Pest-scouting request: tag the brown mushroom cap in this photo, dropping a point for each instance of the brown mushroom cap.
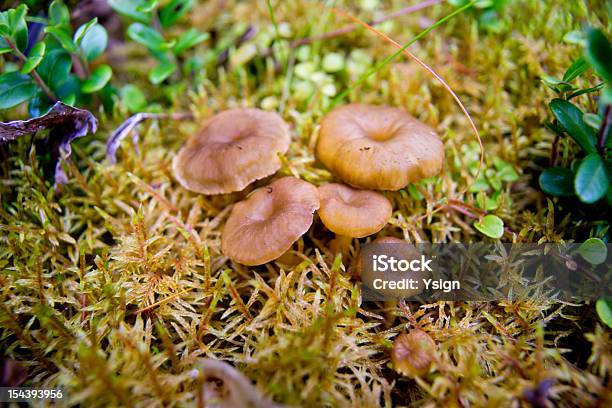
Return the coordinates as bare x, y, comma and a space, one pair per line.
399, 249
378, 147
266, 224
351, 212
413, 353
232, 149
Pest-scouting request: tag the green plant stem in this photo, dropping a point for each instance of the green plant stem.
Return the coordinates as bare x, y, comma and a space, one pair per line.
381, 65
39, 81
271, 11
284, 56
554, 153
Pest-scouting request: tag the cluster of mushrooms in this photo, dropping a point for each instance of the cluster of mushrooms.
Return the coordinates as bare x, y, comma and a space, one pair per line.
367, 147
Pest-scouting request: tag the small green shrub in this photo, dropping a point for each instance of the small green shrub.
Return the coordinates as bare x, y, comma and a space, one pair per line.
150, 21
588, 177
58, 66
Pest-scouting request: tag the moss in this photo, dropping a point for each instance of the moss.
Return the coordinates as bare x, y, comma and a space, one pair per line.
115, 286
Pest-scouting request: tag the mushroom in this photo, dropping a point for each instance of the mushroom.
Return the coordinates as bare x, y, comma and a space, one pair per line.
398, 249
378, 147
231, 150
413, 353
265, 225
352, 213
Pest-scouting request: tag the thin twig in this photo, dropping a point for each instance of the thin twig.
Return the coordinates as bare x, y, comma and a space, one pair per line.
554, 153
467, 206
39, 81
131, 123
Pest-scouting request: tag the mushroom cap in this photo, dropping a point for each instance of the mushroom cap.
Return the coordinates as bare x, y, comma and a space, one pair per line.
231, 150
351, 212
266, 224
392, 247
378, 147
412, 353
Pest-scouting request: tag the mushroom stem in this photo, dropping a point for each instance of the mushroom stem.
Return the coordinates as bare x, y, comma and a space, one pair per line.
341, 244
289, 259
390, 306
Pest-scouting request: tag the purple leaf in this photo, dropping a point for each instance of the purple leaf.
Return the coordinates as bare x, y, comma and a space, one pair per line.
65, 123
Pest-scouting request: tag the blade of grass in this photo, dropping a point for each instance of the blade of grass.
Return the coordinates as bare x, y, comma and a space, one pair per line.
273, 18
403, 49
283, 55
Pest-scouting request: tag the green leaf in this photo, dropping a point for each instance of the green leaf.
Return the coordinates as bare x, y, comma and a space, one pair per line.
108, 95
58, 14
586, 91
146, 36
15, 88
557, 181
55, 67
480, 184
69, 90
599, 53
188, 39
575, 37
36, 55
4, 48
82, 30
39, 104
492, 203
16, 16
94, 42
606, 96
414, 192
507, 174
493, 179
604, 310
148, 6
556, 85
98, 79
15, 27
579, 67
133, 98
170, 13
593, 120
591, 182
62, 35
570, 117
132, 9
491, 225
594, 251
481, 4
161, 72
